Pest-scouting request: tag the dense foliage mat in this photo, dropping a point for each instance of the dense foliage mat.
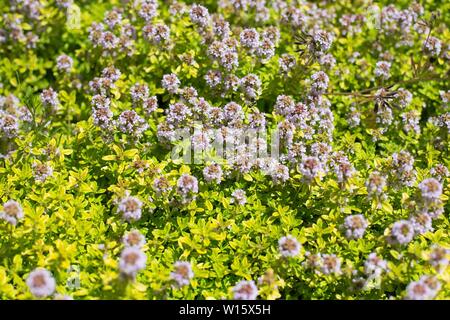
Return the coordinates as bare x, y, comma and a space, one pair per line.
335, 186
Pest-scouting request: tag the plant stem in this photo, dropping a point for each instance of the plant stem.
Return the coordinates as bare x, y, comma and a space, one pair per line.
362, 93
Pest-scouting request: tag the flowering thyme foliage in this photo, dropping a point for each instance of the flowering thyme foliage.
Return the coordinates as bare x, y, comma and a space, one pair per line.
319, 82
278, 149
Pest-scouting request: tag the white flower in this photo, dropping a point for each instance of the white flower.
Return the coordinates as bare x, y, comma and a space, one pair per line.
310, 168
170, 82
439, 257
177, 113
213, 78
330, 264
382, 69
200, 141
404, 97
100, 101
150, 105
213, 172
130, 208
161, 185
374, 265
280, 173
320, 82
133, 239
239, 197
108, 40
375, 183
12, 212
431, 189
112, 18
344, 169
186, 184
64, 63
156, 32
41, 171
312, 261
323, 41
403, 161
148, 10
422, 222
132, 260
286, 62
355, 226
9, 125
232, 112
139, 92
250, 38
402, 232
102, 117
245, 290
130, 122
432, 46
284, 105
251, 86
425, 288
289, 246
111, 73
41, 283
199, 15
183, 273
49, 97
440, 172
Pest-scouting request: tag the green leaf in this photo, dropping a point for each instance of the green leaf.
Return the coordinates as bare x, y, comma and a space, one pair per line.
110, 157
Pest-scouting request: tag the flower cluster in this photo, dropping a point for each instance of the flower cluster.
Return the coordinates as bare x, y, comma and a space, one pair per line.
134, 239
64, 63
182, 273
12, 212
42, 171
131, 123
427, 287
41, 283
130, 208
245, 290
355, 226
49, 97
289, 246
132, 260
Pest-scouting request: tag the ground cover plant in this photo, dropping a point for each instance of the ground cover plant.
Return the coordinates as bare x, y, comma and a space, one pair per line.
333, 182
